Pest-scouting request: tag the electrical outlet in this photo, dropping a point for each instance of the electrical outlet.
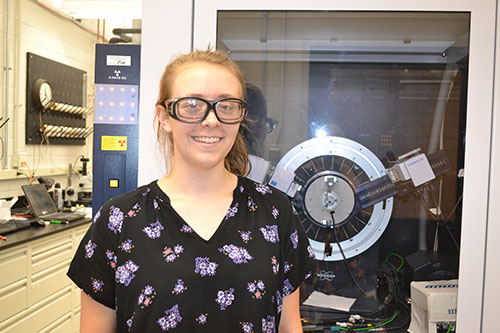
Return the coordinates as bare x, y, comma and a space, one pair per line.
18, 158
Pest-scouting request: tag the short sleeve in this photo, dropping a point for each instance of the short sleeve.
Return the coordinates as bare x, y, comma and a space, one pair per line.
299, 257
93, 266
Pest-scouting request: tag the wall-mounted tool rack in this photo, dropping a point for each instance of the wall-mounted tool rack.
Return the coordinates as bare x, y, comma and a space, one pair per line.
55, 112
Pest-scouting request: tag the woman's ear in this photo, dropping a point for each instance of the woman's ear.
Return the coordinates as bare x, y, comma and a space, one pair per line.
163, 118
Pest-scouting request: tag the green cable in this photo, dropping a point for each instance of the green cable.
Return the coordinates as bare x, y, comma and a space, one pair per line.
449, 328
396, 255
372, 327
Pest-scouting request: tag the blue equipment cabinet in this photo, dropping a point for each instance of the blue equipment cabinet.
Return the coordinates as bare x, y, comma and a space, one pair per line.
116, 127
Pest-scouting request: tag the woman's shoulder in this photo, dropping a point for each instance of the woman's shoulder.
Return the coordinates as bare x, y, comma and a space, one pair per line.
263, 192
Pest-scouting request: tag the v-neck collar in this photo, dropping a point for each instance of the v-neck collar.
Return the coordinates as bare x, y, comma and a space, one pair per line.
238, 194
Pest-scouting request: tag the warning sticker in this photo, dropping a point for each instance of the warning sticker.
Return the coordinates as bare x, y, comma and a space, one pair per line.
113, 142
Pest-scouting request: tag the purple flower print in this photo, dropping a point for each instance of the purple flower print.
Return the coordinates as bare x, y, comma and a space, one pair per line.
279, 301
287, 267
275, 212
245, 236
97, 284
179, 287
232, 211
204, 266
238, 255
135, 209
155, 204
251, 205
146, 297
263, 189
171, 319
246, 327
268, 325
202, 319
311, 252
294, 237
154, 229
126, 246
115, 219
125, 273
287, 288
275, 265
294, 211
256, 288
241, 188
130, 321
147, 191
112, 258
270, 233
225, 298
89, 249
186, 229
172, 254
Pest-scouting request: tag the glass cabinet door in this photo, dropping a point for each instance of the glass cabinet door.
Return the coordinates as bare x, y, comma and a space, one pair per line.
346, 99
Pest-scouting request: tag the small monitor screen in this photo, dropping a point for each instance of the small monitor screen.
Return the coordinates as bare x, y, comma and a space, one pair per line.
39, 199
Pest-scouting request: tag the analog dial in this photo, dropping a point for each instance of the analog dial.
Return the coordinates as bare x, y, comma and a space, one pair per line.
42, 93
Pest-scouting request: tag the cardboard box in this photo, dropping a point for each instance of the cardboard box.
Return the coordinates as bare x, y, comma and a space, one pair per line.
432, 303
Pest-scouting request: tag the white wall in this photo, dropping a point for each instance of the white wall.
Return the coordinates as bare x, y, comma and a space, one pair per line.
166, 31
35, 29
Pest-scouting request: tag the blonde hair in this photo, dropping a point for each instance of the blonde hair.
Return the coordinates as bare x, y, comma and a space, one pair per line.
236, 160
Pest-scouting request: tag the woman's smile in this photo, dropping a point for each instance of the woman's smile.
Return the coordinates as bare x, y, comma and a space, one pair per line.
207, 139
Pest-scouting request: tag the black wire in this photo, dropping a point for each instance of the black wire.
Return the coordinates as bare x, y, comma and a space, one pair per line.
345, 259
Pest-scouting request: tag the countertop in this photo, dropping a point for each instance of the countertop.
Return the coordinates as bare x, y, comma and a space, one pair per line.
37, 231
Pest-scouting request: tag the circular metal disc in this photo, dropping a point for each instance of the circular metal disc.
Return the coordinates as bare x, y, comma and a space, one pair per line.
316, 204
322, 200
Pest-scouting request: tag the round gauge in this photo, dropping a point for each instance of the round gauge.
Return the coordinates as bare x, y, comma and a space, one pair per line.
329, 170
42, 93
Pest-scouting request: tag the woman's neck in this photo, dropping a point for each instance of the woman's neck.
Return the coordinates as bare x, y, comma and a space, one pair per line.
202, 183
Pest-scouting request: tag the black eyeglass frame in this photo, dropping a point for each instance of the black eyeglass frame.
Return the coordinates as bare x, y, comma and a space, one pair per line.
172, 103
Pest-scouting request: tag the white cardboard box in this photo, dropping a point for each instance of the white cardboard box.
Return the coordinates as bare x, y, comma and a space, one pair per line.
432, 302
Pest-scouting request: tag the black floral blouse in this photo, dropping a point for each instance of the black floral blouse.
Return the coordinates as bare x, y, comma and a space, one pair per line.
140, 258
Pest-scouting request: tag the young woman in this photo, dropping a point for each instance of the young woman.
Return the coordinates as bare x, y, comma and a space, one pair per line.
202, 249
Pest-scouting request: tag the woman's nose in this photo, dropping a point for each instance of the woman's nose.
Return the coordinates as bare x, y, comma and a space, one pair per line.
211, 119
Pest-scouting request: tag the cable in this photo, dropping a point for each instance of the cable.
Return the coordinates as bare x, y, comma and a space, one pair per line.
396, 255
396, 313
29, 171
74, 164
345, 259
449, 328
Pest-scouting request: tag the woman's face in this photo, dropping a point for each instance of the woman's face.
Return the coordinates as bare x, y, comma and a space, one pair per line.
206, 144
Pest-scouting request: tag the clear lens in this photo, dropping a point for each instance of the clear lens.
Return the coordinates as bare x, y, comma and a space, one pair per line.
229, 109
191, 108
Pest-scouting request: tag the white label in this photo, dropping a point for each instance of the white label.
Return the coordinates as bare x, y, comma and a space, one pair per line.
118, 60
